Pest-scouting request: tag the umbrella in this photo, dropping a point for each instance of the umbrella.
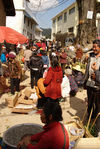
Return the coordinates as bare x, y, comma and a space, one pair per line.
11, 36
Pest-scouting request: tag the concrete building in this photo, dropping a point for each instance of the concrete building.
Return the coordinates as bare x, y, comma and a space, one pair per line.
23, 22
38, 33
6, 9
66, 21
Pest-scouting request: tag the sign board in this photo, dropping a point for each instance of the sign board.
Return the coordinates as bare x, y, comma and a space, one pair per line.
89, 14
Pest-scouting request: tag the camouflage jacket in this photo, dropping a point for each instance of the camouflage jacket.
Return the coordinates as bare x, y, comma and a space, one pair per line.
14, 69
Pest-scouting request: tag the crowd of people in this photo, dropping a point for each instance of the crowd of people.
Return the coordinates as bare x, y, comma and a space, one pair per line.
59, 71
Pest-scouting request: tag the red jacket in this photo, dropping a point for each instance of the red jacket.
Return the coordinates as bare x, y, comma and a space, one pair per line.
63, 57
51, 138
53, 82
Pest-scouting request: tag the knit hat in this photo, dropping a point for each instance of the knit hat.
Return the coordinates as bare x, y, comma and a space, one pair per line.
12, 55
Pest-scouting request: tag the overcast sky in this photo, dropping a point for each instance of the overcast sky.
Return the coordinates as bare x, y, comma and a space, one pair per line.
45, 10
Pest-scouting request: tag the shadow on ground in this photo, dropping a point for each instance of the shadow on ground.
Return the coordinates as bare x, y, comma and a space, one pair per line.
24, 78
3, 105
79, 105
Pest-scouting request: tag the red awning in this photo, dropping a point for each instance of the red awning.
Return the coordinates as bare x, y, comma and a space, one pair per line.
11, 36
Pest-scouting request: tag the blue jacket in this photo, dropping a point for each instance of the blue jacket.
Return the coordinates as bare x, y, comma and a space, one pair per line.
45, 59
3, 58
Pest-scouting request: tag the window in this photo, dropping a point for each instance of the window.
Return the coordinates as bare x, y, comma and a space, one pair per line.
31, 25
28, 22
24, 31
72, 10
24, 19
28, 33
30, 36
65, 16
71, 29
60, 18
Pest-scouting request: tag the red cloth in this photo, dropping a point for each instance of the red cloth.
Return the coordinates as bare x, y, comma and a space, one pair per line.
53, 82
51, 138
63, 57
43, 45
39, 44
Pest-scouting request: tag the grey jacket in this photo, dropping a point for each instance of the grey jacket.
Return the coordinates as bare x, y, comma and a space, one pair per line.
97, 74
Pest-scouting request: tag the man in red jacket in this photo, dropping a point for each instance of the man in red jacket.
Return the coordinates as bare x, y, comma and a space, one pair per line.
54, 135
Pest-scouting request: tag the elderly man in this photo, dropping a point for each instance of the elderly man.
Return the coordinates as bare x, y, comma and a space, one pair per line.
92, 80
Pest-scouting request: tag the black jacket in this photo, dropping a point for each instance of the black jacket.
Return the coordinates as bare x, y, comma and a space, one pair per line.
36, 63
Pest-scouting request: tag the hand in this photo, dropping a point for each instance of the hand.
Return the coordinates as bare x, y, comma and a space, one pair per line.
20, 144
94, 66
18, 77
27, 140
93, 76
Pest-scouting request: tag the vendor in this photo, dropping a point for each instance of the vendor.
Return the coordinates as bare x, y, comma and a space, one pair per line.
54, 135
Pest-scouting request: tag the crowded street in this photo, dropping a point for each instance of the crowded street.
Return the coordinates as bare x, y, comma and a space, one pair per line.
49, 74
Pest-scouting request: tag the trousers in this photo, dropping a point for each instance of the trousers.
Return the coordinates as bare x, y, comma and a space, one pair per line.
15, 82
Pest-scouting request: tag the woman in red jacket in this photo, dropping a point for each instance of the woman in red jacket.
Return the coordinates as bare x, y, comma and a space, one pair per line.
53, 79
54, 136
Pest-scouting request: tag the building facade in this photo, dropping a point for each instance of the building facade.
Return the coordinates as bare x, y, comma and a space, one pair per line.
23, 22
6, 9
66, 21
38, 33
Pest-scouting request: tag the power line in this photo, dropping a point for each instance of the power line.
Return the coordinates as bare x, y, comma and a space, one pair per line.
52, 7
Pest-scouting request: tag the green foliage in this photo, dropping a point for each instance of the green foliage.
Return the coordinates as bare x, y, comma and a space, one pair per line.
92, 132
46, 32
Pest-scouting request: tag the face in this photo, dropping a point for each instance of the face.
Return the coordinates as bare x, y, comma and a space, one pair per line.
62, 50
96, 49
10, 59
43, 117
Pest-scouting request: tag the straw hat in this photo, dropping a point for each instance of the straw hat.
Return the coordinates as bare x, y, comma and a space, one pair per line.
77, 67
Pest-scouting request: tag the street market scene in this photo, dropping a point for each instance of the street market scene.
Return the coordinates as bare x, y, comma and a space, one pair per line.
49, 74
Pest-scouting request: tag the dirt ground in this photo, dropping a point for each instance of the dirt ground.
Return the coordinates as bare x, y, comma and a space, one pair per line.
8, 119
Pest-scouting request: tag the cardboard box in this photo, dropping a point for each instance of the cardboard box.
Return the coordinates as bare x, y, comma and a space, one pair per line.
12, 100
28, 92
23, 101
21, 111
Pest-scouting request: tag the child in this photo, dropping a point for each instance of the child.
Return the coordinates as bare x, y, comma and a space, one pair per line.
65, 90
73, 84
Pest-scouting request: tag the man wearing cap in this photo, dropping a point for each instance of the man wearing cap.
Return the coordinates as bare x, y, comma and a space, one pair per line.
14, 72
